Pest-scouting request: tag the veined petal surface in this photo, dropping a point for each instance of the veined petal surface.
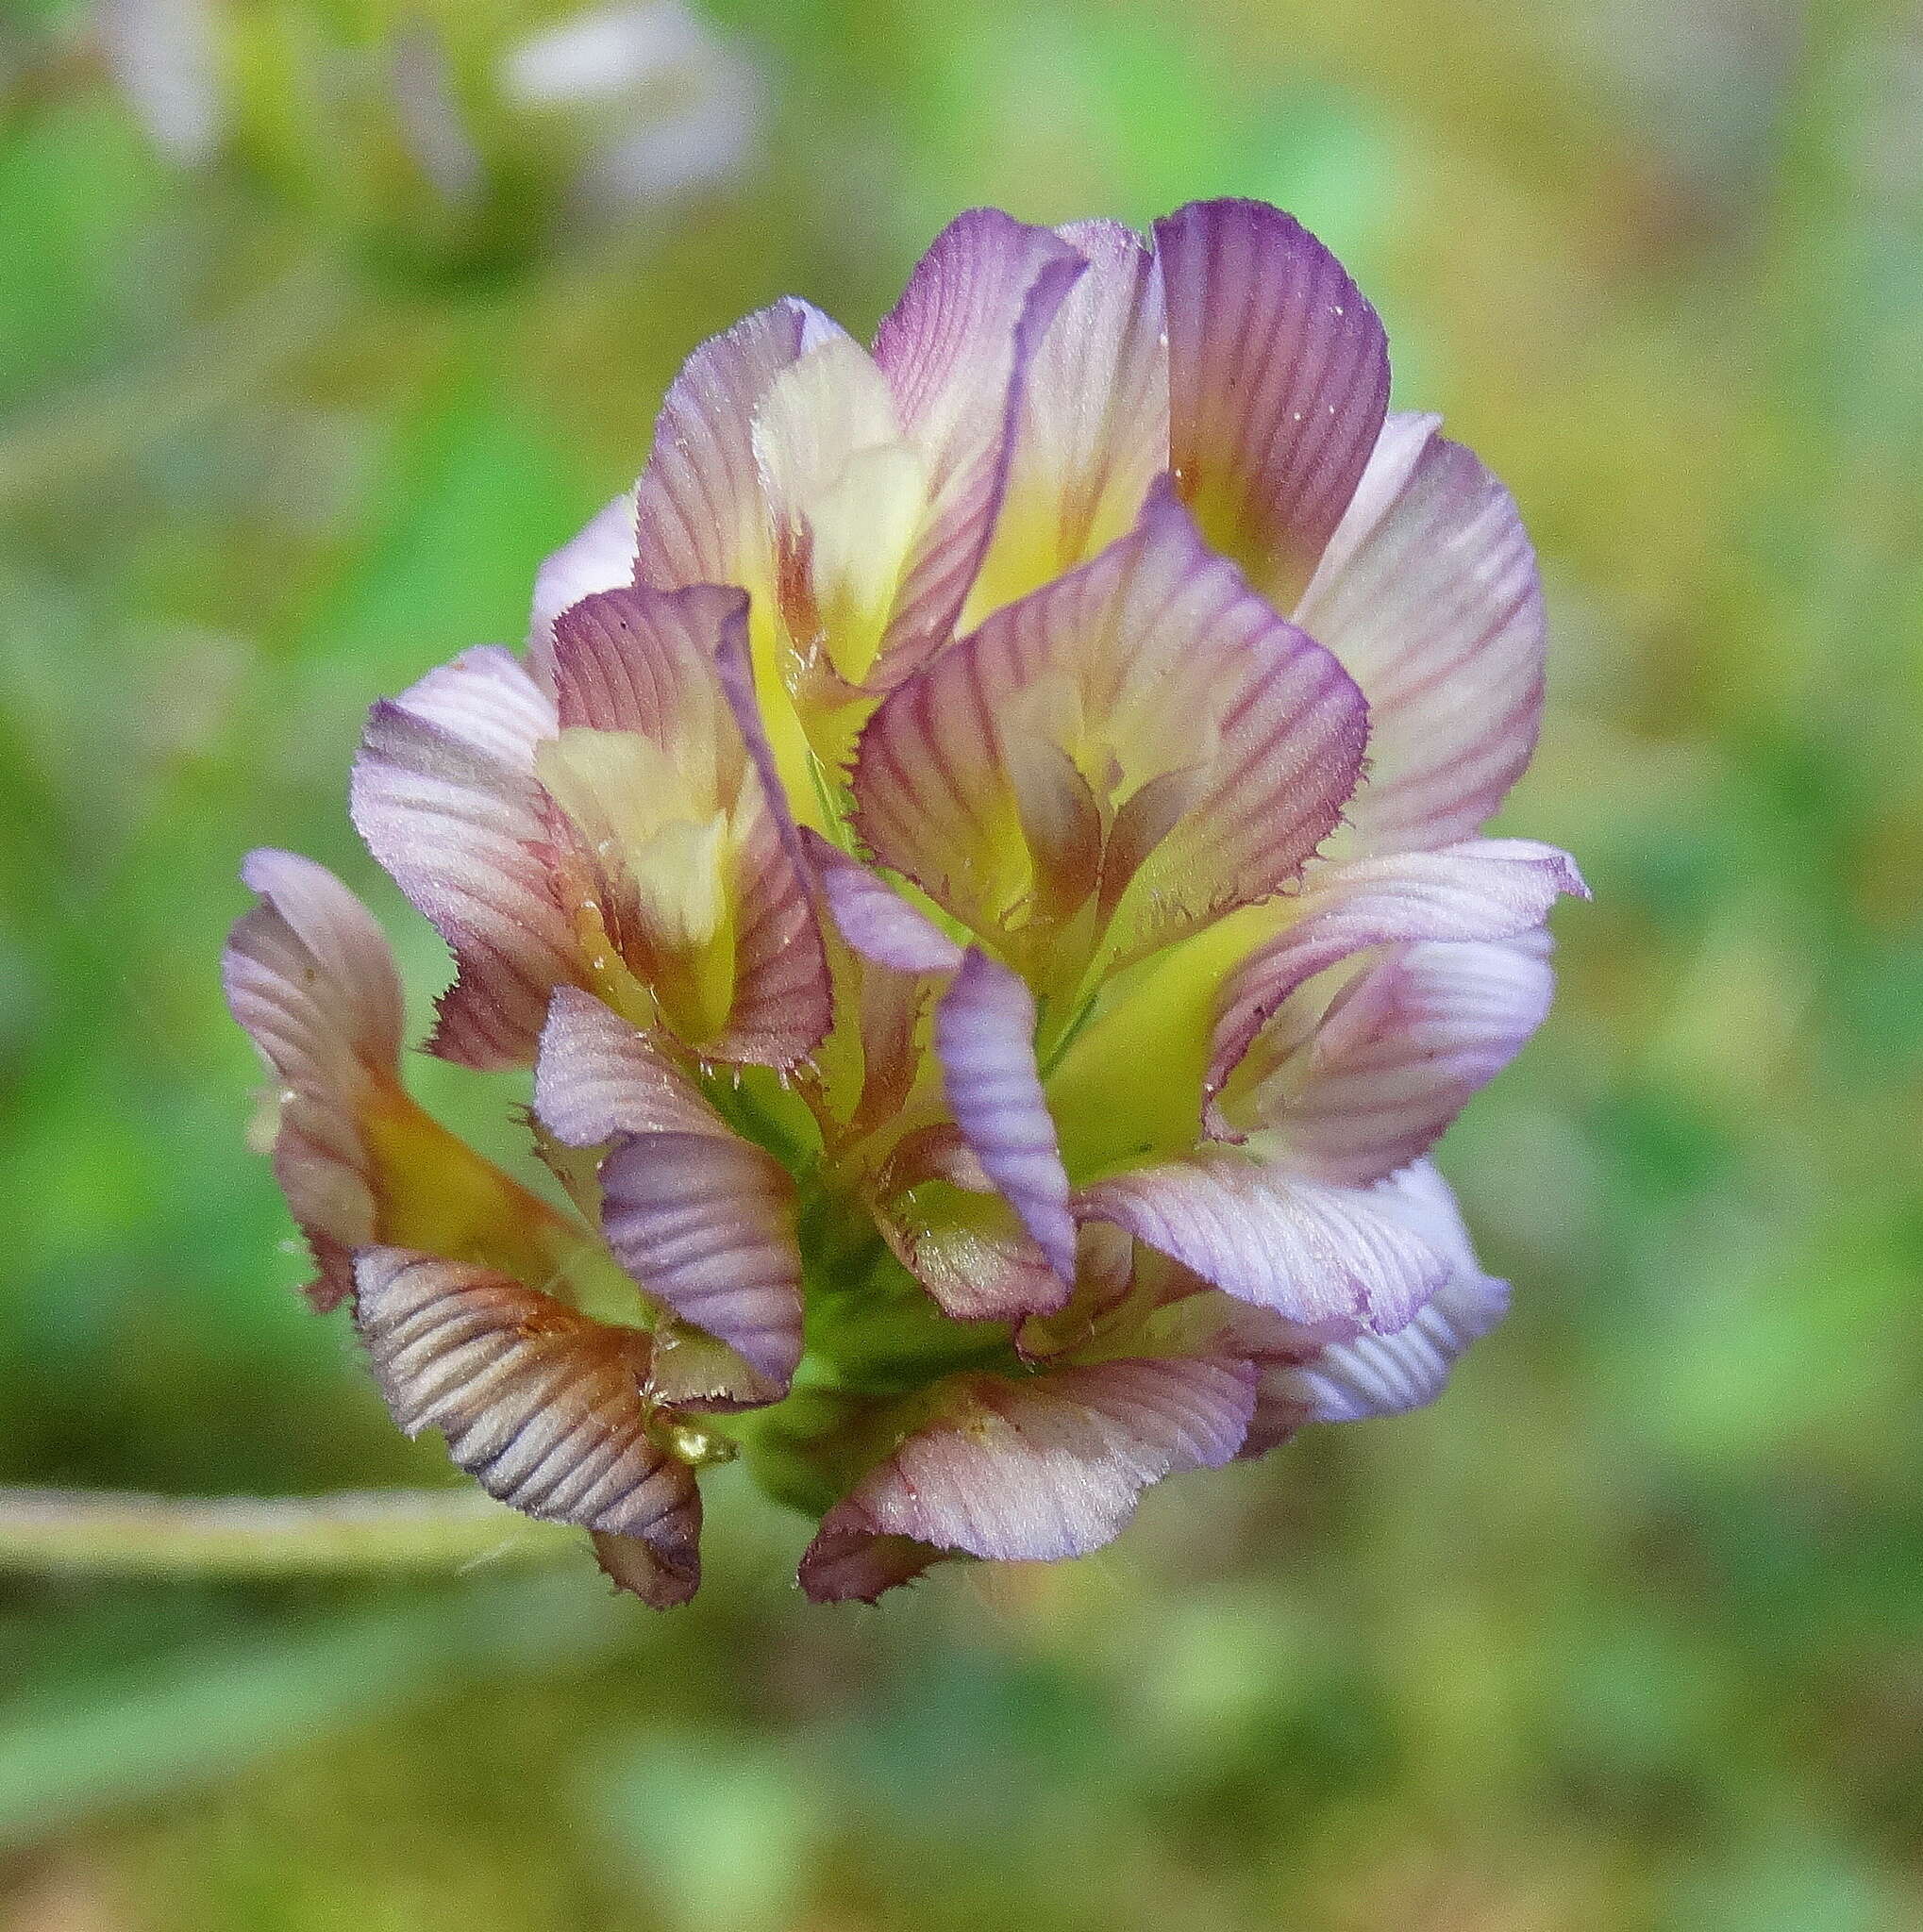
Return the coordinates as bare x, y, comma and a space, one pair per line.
956, 349
1279, 382
703, 1220
694, 883
1029, 1471
1429, 595
541, 1405
1326, 1257
1142, 745
445, 796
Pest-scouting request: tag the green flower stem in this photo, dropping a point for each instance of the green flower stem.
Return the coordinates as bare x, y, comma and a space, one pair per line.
387, 1532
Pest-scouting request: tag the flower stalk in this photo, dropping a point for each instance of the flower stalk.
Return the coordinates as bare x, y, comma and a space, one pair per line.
352, 1533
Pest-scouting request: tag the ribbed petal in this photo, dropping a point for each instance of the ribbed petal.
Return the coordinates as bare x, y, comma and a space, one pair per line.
698, 505
703, 885
1326, 1257
602, 558
1429, 594
445, 796
1145, 732
1093, 432
877, 920
1388, 1374
703, 1220
1029, 1472
891, 961
598, 1077
1279, 382
985, 1040
1403, 1048
1478, 890
309, 975
955, 350
541, 1405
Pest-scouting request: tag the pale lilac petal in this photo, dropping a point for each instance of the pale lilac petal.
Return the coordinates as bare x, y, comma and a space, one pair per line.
703, 1220
602, 558
1279, 382
597, 1077
308, 974
541, 1404
1429, 595
1478, 890
1389, 1374
655, 675
1326, 1257
706, 1222
955, 350
698, 507
985, 1040
445, 796
875, 919
1031, 1471
1226, 741
1404, 1047
1093, 430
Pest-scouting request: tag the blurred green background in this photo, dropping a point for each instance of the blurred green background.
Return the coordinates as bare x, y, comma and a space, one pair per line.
322, 320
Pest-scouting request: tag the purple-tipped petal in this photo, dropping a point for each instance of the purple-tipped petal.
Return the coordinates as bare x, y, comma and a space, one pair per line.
602, 558
309, 976
1402, 1049
955, 350
445, 796
702, 1220
1429, 594
1029, 1471
701, 885
1222, 739
541, 1405
1478, 890
1278, 383
985, 1040
1326, 1257
698, 507
1093, 430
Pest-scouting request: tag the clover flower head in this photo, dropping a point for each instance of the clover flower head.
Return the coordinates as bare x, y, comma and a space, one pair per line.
981, 857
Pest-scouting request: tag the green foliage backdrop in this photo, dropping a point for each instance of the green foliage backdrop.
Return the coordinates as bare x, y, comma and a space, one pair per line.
1625, 1633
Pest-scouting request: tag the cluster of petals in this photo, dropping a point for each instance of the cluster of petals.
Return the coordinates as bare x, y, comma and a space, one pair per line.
982, 858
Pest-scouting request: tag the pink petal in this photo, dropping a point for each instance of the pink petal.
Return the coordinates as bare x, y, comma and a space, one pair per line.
1029, 1471
597, 1077
541, 1405
1429, 594
1093, 432
445, 796
698, 505
1222, 739
308, 974
1389, 1374
1326, 1257
1405, 1046
955, 350
1478, 890
702, 1220
655, 664
602, 558
1279, 382
985, 1040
